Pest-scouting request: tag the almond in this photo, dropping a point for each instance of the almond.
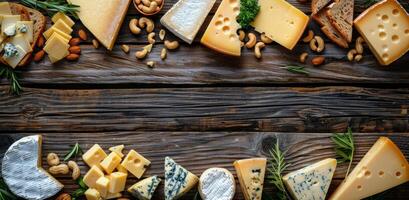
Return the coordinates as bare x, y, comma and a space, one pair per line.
319, 60
82, 34
75, 42
72, 57
39, 56
95, 43
75, 49
40, 42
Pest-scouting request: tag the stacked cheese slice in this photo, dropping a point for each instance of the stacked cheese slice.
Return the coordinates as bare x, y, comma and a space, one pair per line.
58, 37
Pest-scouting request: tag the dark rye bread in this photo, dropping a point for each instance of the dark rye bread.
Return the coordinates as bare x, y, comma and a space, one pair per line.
341, 16
317, 5
327, 28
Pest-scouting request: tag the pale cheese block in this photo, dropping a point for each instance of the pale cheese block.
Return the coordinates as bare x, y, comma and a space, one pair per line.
281, 22
29, 34
94, 155
8, 21
47, 34
103, 18
186, 17
311, 182
178, 180
5, 8
385, 28
383, 167
144, 189
250, 173
61, 16
15, 60
20, 40
217, 184
21, 170
221, 34
56, 48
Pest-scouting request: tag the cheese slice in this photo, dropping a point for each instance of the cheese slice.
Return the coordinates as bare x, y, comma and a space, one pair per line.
47, 34
217, 184
186, 17
383, 167
61, 16
250, 173
21, 170
57, 49
5, 8
20, 40
9, 21
221, 34
103, 19
135, 163
281, 22
15, 60
311, 182
62, 26
178, 180
29, 34
144, 189
385, 28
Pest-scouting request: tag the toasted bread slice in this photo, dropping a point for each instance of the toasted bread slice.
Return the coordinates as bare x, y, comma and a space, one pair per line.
327, 28
341, 16
318, 5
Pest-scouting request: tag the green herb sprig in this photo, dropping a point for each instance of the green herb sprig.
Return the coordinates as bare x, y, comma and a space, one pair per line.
345, 147
248, 11
278, 165
74, 152
5, 193
297, 70
80, 191
12, 76
53, 6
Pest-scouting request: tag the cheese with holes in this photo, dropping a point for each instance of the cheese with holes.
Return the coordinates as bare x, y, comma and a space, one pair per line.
217, 184
51, 31
92, 194
118, 150
13, 61
281, 22
94, 155
221, 34
61, 16
91, 177
383, 167
26, 28
250, 173
186, 17
111, 162
8, 24
135, 163
117, 182
57, 49
104, 20
385, 28
5, 8
144, 189
178, 180
311, 182
21, 170
102, 186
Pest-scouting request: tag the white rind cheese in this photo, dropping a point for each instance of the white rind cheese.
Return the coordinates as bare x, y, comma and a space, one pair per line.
186, 17
217, 184
178, 180
143, 190
311, 182
22, 173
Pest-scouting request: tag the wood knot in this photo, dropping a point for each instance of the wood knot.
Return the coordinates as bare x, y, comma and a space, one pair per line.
30, 111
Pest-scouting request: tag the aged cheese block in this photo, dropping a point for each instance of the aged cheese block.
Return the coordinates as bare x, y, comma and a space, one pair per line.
178, 180
22, 172
144, 189
311, 182
251, 174
94, 155
217, 184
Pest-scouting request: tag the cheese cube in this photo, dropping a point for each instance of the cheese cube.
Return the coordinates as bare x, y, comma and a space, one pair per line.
15, 60
135, 163
118, 149
5, 8
9, 21
48, 34
57, 48
113, 195
61, 16
110, 162
29, 32
60, 24
117, 182
92, 194
91, 177
102, 186
94, 155
122, 169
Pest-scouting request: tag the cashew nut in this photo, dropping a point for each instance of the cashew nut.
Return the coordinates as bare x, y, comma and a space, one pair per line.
257, 49
141, 54
125, 48
59, 169
162, 34
252, 40
358, 45
151, 9
265, 39
148, 23
151, 38
163, 54
76, 172
303, 57
358, 58
317, 44
351, 54
242, 35
133, 26
309, 37
171, 45
53, 159
151, 64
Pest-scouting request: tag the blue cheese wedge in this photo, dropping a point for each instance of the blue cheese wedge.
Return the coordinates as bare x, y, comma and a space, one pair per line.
311, 182
250, 173
22, 172
217, 184
143, 190
178, 180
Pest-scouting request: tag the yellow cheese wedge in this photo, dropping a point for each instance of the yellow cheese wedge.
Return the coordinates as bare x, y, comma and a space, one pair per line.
102, 186
383, 167
117, 182
15, 60
29, 34
118, 150
61, 16
281, 22
251, 174
135, 163
47, 34
221, 34
91, 177
110, 163
103, 19
5, 8
94, 155
92, 194
385, 28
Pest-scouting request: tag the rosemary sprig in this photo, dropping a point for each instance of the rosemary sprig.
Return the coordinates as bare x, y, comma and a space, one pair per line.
278, 165
74, 152
53, 6
80, 191
297, 69
345, 147
5, 193
11, 75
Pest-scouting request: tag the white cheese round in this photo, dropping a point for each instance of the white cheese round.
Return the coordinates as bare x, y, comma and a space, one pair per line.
217, 184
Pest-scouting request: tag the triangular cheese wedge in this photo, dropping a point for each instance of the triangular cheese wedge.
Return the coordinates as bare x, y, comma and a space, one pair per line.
178, 180
103, 18
145, 188
311, 182
251, 174
118, 150
382, 168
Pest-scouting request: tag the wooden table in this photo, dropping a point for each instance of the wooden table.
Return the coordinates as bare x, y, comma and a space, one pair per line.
205, 109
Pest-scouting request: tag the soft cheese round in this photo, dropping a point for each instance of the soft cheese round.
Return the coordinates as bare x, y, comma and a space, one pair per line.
22, 174
217, 184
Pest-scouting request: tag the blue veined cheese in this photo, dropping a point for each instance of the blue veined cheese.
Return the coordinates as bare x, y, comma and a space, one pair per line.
178, 180
311, 182
250, 173
217, 184
23, 174
143, 190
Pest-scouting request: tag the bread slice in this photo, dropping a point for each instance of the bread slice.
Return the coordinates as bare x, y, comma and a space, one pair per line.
39, 21
317, 5
327, 28
341, 16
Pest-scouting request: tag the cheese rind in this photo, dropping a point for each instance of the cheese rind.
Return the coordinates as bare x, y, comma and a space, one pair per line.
383, 167
178, 180
250, 173
281, 22
94, 155
217, 184
144, 189
311, 182
385, 28
135, 163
